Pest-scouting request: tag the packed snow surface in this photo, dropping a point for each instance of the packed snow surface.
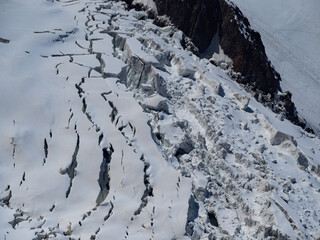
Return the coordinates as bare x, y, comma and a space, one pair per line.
111, 130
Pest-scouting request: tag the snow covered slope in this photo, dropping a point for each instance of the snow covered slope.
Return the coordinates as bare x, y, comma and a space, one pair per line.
111, 130
290, 31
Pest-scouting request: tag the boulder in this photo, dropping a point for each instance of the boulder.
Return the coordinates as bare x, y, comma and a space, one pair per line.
3, 40
302, 161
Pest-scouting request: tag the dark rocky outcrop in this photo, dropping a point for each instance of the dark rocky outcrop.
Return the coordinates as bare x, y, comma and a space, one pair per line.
244, 46
197, 19
3, 40
202, 20
140, 7
284, 104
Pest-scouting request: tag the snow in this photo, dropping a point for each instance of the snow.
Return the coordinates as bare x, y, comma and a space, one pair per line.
155, 102
134, 48
290, 32
86, 151
112, 65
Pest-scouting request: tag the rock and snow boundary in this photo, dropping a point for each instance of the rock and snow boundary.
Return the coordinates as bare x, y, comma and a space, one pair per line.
227, 38
126, 135
290, 33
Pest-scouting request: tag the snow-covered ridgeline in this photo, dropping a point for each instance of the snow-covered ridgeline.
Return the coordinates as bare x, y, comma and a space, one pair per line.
103, 172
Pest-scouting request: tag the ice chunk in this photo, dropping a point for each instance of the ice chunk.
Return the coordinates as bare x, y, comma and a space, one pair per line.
244, 100
156, 103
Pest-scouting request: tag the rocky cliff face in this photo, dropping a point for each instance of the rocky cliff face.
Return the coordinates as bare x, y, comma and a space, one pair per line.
244, 46
202, 20
197, 19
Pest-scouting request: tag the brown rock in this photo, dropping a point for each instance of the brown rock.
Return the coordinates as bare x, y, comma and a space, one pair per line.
201, 20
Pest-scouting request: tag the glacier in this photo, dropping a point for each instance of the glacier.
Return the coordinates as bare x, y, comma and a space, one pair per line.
110, 129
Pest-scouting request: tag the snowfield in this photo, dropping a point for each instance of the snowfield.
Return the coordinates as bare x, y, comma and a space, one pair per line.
111, 130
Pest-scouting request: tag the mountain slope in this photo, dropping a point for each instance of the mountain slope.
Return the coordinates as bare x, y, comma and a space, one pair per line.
290, 33
228, 40
112, 130
217, 24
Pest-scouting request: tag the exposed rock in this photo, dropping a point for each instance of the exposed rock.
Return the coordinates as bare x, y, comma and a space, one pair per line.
149, 4
195, 236
302, 161
283, 106
291, 112
244, 46
205, 20
197, 19
270, 233
3, 40
244, 125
